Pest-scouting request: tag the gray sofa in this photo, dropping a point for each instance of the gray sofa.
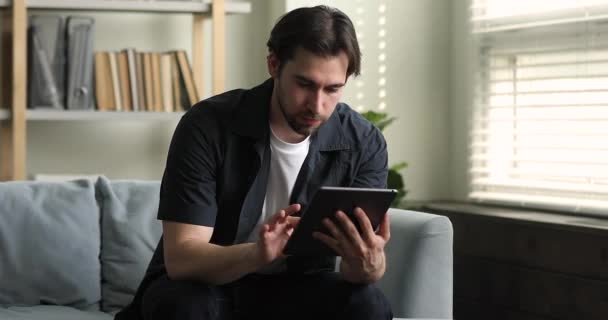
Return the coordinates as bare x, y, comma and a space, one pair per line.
78, 249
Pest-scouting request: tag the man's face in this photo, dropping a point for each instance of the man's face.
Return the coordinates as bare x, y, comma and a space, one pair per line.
306, 90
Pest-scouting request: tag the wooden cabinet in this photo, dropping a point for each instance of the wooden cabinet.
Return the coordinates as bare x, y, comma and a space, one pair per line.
516, 264
14, 115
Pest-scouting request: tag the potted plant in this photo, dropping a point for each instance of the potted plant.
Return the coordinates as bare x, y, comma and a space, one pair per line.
394, 179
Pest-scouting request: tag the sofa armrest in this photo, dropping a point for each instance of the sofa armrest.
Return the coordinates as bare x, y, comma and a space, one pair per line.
418, 279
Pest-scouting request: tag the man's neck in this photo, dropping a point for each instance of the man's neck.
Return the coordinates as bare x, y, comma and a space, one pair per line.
279, 124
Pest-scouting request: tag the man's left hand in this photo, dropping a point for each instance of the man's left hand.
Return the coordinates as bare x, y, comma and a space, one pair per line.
363, 258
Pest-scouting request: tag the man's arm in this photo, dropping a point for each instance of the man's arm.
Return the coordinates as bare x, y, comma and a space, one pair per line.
189, 255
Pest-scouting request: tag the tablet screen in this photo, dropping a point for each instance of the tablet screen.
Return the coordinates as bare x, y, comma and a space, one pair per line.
325, 203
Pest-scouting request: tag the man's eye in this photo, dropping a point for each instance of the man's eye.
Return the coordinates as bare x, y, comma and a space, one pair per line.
304, 84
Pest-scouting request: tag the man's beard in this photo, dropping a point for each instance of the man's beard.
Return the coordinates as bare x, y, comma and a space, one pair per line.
291, 119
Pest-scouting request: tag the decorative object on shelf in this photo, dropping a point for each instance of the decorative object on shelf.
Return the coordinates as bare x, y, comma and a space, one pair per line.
79, 94
47, 60
61, 59
394, 179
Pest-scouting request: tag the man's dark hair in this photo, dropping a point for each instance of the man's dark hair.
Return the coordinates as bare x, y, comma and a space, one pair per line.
321, 30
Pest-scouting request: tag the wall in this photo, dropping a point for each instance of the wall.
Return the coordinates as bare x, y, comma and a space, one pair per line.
417, 84
417, 92
460, 97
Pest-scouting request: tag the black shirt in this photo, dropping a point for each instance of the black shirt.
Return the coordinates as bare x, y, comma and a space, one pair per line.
218, 163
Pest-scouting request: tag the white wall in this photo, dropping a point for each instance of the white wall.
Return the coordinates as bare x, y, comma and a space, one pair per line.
461, 97
417, 92
417, 84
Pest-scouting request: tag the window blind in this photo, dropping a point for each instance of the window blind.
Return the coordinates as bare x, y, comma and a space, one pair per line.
540, 123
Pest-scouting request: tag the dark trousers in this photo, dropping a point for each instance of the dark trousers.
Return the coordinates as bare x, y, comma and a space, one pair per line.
286, 296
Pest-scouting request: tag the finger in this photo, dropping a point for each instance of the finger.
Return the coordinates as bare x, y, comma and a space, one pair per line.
333, 230
341, 239
293, 209
263, 231
349, 229
367, 231
293, 221
287, 225
384, 230
277, 217
283, 213
328, 241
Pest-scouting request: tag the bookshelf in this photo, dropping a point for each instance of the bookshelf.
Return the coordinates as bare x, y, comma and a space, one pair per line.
137, 6
53, 115
13, 121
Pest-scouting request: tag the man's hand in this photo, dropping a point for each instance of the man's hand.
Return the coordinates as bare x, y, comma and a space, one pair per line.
274, 234
363, 258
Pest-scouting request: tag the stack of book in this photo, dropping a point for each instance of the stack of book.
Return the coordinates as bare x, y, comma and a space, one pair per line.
129, 80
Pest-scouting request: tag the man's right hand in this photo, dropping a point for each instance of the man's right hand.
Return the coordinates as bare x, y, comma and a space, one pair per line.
275, 233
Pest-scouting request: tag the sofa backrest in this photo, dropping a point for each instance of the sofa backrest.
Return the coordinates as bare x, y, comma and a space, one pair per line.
418, 280
129, 235
49, 244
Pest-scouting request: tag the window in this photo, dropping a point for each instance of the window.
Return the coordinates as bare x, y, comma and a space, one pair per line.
540, 123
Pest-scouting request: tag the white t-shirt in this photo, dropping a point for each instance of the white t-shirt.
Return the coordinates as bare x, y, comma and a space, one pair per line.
285, 162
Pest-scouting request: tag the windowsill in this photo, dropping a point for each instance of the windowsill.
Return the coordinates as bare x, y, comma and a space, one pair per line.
523, 216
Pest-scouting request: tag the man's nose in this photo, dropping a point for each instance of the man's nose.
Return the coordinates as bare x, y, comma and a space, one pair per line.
315, 103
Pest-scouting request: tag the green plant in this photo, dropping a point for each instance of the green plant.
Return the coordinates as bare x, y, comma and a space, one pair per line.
394, 179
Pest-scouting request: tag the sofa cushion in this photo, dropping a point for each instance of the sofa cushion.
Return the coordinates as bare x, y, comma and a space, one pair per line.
51, 313
130, 233
49, 244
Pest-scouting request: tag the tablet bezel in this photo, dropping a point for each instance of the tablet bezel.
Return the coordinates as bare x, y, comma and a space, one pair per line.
325, 203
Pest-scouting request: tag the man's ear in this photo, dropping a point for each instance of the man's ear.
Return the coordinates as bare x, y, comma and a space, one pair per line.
273, 64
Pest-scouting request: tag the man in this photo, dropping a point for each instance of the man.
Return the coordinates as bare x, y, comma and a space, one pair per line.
242, 164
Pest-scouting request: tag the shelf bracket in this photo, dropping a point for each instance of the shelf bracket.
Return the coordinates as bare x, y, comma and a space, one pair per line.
19, 91
218, 15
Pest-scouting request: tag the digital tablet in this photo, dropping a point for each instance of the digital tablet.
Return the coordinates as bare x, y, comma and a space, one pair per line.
325, 203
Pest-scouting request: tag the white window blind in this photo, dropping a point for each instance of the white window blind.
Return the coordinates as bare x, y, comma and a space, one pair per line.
540, 122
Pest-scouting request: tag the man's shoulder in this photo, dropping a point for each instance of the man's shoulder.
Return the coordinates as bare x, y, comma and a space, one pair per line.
223, 108
219, 106
354, 126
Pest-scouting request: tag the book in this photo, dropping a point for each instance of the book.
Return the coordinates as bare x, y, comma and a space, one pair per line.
104, 91
157, 93
141, 88
125, 84
132, 65
148, 83
186, 76
115, 81
176, 87
165, 82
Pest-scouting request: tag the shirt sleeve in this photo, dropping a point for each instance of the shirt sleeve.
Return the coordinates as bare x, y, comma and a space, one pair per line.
373, 170
188, 187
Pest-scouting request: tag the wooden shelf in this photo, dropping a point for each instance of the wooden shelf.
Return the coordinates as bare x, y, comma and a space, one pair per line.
13, 143
57, 115
135, 6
